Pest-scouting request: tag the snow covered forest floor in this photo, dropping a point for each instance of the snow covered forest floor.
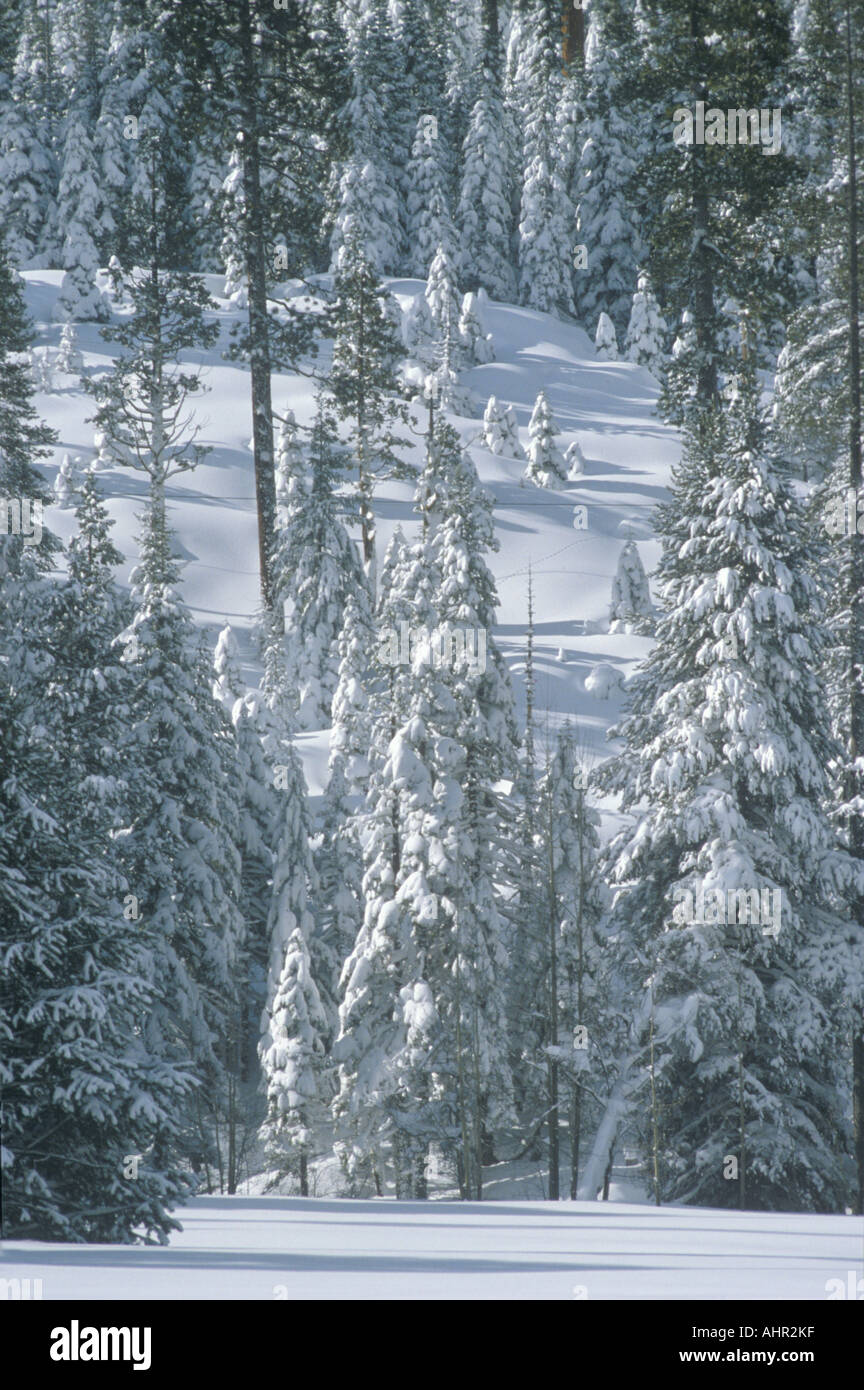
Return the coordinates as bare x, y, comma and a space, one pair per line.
607, 407
287, 1248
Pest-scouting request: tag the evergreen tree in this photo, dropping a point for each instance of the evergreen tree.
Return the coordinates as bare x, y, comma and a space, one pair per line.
605, 340
727, 730
79, 216
69, 358
316, 569
483, 214
546, 214
578, 984
428, 216
350, 734
613, 209
501, 431
647, 328
81, 1089
363, 381
545, 461
631, 609
292, 1059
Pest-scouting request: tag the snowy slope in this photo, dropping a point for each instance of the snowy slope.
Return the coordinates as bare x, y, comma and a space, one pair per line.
291, 1248
606, 406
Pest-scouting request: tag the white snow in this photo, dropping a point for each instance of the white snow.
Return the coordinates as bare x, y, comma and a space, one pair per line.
293, 1248
605, 407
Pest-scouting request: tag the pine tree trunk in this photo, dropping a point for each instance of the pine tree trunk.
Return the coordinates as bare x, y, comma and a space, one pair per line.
607, 1176
304, 1175
655, 1126
701, 267
255, 253
554, 1157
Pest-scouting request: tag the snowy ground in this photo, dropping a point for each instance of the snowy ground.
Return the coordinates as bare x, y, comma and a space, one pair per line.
290, 1248
606, 406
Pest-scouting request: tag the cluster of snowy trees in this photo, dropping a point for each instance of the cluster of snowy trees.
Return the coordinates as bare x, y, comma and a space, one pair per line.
444, 961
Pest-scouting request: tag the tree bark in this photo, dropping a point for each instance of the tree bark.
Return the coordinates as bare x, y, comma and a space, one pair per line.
255, 252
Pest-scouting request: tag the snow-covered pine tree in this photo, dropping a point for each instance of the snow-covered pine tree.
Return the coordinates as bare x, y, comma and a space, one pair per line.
258, 811
483, 213
338, 863
501, 430
364, 382
570, 846
605, 340
631, 609
180, 851
727, 885
546, 214
27, 174
646, 331
315, 569
79, 217
81, 1090
428, 214
228, 683
476, 341
480, 717
350, 733
365, 205
293, 1062
295, 894
69, 358
445, 306
611, 204
291, 469
546, 464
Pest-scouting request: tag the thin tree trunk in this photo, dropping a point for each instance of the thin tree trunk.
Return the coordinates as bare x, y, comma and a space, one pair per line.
703, 274
554, 1159
655, 1128
255, 252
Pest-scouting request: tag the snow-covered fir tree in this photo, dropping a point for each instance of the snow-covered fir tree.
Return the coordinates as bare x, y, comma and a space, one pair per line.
607, 188
501, 430
605, 339
429, 223
316, 568
69, 357
728, 885
291, 469
545, 461
646, 331
631, 609
82, 1089
483, 213
476, 341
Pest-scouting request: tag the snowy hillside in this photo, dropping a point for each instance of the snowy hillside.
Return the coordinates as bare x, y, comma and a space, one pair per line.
607, 407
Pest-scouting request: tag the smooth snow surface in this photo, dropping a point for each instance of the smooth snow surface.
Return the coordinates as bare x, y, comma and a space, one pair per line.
295, 1248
